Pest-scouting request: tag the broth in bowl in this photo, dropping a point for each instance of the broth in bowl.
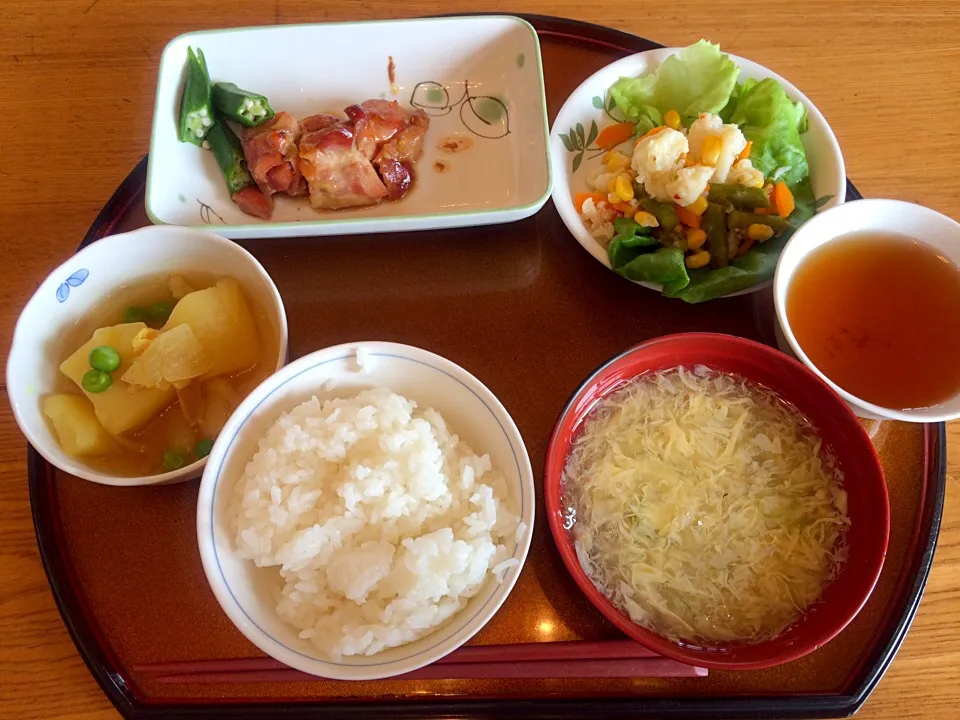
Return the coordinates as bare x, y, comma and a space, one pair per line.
876, 313
705, 507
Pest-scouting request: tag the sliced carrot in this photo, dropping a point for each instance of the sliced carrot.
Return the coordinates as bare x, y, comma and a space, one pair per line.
783, 199
746, 151
623, 208
745, 246
687, 217
613, 135
650, 133
582, 197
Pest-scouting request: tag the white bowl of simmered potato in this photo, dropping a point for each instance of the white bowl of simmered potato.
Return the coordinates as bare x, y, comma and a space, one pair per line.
132, 354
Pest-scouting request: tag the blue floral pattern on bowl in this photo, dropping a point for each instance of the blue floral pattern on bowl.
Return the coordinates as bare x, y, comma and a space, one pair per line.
75, 280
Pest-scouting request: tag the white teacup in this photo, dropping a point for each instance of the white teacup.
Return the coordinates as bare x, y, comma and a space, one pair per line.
874, 215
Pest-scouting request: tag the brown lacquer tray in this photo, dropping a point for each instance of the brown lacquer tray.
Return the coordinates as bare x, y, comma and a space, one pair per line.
526, 310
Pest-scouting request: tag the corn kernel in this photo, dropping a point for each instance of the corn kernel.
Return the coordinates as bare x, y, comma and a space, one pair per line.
697, 260
616, 161
758, 231
612, 185
613, 198
672, 119
710, 150
698, 206
695, 238
646, 219
624, 187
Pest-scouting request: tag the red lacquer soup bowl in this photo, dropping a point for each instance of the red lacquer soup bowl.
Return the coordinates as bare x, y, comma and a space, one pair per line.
842, 433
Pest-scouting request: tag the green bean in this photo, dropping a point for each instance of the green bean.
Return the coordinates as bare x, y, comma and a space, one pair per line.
740, 196
664, 212
715, 226
742, 220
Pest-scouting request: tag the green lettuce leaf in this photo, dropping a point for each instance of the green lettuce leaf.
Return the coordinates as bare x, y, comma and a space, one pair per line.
663, 266
773, 122
697, 79
755, 267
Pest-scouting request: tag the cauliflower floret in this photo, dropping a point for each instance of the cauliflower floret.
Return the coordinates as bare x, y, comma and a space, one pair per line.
657, 184
704, 125
659, 153
732, 143
689, 184
744, 173
600, 179
597, 220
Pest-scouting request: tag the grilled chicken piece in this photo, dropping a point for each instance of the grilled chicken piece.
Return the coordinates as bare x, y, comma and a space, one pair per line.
254, 202
272, 157
392, 138
341, 157
338, 174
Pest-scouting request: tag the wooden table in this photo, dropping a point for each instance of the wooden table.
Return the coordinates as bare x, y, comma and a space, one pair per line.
76, 93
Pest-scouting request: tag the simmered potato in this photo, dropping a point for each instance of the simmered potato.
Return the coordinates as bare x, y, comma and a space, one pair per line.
221, 320
219, 402
120, 407
77, 426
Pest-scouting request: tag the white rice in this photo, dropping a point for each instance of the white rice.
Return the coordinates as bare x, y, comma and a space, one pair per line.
382, 523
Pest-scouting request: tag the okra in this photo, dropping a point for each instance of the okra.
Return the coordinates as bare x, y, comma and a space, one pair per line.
196, 112
740, 196
229, 154
242, 106
742, 220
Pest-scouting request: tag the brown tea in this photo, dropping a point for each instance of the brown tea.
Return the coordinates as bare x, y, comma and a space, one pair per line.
879, 314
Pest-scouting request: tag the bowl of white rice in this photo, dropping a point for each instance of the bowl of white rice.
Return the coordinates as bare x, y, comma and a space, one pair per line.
365, 511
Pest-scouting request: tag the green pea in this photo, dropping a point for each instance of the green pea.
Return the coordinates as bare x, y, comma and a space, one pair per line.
172, 460
104, 358
135, 314
202, 448
96, 381
160, 311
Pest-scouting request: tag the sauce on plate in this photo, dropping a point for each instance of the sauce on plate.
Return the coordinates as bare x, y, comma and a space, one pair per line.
879, 314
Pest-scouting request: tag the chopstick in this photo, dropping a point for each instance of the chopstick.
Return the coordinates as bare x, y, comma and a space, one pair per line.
573, 659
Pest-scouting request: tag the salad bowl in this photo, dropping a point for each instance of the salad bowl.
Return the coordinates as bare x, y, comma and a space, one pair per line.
575, 152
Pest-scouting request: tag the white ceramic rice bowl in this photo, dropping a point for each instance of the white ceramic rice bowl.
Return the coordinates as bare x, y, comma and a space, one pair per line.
245, 592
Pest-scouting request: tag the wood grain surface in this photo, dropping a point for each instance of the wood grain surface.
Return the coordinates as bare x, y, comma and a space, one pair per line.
77, 79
